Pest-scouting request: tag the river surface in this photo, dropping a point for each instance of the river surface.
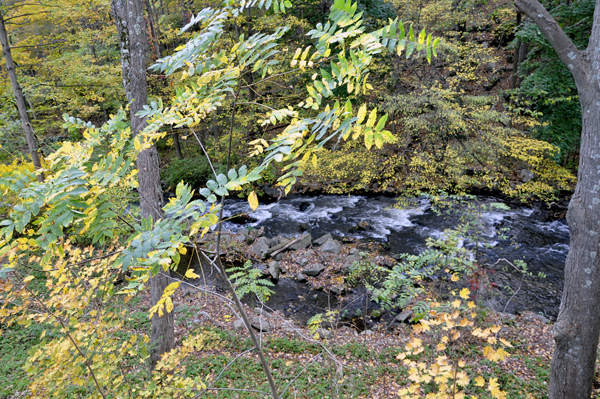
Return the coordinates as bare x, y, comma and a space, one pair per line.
519, 233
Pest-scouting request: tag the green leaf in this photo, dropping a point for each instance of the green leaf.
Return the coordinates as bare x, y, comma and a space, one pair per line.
213, 185
372, 118
222, 179
381, 123
368, 138
221, 191
409, 49
378, 139
232, 174
205, 192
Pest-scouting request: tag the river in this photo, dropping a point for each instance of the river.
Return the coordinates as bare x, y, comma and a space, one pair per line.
527, 233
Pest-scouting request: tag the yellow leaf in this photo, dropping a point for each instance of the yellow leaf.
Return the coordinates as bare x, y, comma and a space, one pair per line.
462, 379
471, 304
495, 329
454, 278
169, 304
253, 200
479, 381
190, 274
456, 303
464, 293
440, 347
362, 112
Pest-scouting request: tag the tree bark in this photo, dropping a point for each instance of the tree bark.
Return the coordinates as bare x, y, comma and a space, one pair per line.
513, 78
20, 100
577, 328
177, 144
153, 22
129, 15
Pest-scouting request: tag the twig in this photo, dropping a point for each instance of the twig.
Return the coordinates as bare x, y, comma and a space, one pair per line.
205, 153
221, 268
68, 334
300, 373
222, 371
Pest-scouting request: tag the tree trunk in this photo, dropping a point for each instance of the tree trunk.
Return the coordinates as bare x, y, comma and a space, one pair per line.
153, 22
513, 78
577, 328
129, 15
177, 144
20, 100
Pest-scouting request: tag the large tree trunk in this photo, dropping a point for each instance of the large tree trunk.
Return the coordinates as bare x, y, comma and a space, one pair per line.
10, 66
129, 15
577, 329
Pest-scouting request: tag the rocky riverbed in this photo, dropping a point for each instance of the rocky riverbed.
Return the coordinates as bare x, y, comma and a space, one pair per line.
306, 245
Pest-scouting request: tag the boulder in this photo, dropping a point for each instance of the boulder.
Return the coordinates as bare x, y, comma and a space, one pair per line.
262, 312
304, 226
275, 241
332, 247
302, 261
323, 239
260, 247
304, 206
323, 333
274, 269
304, 242
404, 317
349, 262
238, 325
363, 225
301, 278
337, 289
526, 175
272, 191
531, 317
261, 324
313, 270
279, 256
264, 269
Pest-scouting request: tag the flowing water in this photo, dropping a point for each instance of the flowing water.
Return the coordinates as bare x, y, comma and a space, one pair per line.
524, 233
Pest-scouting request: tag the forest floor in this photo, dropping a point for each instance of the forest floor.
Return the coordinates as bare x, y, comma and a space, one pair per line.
368, 361
335, 361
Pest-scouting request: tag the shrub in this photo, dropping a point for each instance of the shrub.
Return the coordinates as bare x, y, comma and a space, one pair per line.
194, 171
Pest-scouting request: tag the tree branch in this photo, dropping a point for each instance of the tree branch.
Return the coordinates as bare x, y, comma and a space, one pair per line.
564, 47
38, 45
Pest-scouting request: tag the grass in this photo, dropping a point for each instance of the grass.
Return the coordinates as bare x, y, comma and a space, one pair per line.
367, 370
15, 343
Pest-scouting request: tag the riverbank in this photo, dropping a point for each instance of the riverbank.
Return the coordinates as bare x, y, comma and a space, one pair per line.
532, 234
